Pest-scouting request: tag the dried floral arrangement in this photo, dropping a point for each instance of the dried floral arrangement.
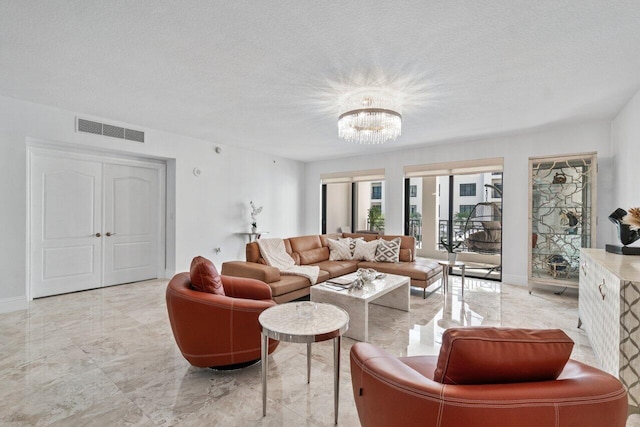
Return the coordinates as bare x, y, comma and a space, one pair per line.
632, 219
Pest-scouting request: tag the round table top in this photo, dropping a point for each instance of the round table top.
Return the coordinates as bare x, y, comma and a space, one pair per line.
304, 322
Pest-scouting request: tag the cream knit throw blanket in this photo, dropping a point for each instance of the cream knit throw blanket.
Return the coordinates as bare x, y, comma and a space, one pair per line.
275, 255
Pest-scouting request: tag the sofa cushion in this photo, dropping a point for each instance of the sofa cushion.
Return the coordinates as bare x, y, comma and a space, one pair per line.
421, 269
313, 256
501, 355
336, 268
205, 277
388, 250
288, 284
365, 251
304, 243
339, 250
406, 255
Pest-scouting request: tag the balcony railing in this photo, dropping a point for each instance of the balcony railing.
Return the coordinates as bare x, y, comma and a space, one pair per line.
458, 233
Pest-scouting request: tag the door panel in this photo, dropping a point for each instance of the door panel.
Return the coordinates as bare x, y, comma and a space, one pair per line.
66, 206
131, 223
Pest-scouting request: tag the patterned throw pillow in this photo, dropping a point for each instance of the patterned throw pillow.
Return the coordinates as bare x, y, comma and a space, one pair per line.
339, 250
352, 242
365, 251
388, 250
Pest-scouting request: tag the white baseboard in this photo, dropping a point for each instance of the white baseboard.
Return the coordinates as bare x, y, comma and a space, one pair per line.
513, 279
13, 304
168, 274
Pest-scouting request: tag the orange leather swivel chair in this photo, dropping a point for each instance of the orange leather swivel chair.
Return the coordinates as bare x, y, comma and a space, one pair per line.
489, 377
218, 331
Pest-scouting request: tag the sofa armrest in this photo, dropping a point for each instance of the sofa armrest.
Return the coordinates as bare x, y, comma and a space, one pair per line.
246, 288
251, 270
382, 381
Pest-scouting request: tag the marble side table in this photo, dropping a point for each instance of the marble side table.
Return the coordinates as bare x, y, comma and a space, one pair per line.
445, 274
304, 322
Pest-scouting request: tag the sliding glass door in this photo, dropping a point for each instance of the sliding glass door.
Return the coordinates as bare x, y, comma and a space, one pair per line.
461, 209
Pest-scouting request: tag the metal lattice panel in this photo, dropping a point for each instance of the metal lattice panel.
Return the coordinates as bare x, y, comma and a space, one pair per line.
561, 217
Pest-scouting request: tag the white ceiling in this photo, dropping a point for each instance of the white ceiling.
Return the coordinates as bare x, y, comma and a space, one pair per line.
270, 75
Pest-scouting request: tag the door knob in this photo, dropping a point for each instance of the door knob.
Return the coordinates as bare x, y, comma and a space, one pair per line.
110, 234
98, 234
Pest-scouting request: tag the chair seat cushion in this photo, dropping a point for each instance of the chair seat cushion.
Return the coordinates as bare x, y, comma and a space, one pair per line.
205, 277
501, 355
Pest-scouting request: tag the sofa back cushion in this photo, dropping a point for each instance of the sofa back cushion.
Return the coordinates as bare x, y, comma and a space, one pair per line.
406, 255
309, 248
205, 277
407, 243
252, 253
501, 355
313, 256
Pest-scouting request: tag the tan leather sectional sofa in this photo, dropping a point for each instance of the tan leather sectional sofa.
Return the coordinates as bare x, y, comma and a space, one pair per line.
314, 250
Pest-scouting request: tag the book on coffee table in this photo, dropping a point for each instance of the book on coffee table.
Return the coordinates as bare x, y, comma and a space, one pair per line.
342, 280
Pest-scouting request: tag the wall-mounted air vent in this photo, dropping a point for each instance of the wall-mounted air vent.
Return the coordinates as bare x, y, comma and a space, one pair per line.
97, 128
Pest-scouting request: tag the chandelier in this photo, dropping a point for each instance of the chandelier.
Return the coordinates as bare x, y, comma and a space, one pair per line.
370, 123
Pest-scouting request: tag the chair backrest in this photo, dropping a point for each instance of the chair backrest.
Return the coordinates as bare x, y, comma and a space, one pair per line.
388, 389
501, 355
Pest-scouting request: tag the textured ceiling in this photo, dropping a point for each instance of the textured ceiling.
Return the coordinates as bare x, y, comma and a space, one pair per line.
270, 75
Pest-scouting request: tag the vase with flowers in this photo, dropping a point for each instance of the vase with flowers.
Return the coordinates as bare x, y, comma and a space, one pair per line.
255, 210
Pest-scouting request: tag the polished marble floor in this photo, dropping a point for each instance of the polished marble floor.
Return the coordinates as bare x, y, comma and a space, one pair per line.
107, 357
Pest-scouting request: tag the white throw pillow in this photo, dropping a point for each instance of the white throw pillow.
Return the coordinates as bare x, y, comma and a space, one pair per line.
352, 242
388, 250
339, 250
365, 251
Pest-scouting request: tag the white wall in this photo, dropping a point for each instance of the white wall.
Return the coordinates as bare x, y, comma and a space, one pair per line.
625, 139
515, 149
208, 209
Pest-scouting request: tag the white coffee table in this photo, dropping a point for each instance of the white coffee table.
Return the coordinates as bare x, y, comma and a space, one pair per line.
390, 291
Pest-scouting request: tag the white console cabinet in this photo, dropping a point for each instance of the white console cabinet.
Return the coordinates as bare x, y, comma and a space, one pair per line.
609, 309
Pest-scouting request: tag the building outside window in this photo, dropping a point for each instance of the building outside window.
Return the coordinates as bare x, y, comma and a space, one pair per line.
376, 190
495, 194
413, 191
468, 189
465, 210
413, 209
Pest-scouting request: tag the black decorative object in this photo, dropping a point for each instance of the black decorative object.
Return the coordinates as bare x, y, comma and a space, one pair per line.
557, 264
626, 235
559, 178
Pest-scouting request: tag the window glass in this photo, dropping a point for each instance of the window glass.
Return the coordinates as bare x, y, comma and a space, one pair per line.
468, 189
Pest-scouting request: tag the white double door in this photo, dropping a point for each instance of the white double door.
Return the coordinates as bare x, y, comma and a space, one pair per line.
94, 223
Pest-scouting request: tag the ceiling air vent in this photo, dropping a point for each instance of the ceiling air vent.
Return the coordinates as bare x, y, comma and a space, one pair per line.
104, 129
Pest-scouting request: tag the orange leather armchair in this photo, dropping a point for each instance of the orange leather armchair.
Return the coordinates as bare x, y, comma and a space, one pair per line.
454, 389
218, 331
